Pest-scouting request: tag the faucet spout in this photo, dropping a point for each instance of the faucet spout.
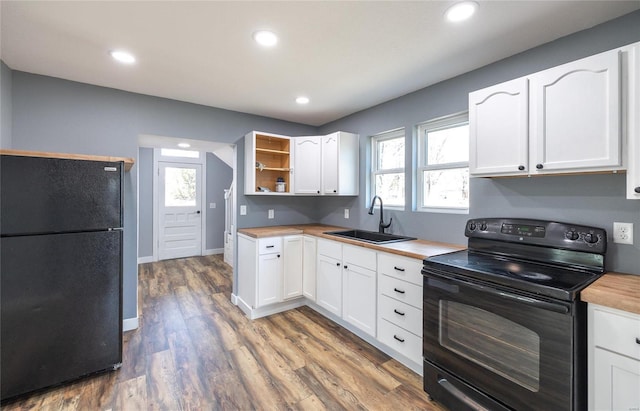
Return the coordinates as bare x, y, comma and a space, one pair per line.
381, 224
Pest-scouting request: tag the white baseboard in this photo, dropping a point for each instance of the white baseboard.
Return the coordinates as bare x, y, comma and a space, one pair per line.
143, 260
129, 324
234, 299
213, 251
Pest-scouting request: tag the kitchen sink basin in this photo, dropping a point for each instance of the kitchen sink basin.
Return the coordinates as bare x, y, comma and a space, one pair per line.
370, 236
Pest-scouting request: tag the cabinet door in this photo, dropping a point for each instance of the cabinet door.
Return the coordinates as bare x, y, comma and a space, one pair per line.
269, 279
499, 129
575, 116
616, 382
359, 298
292, 272
307, 168
330, 164
329, 284
631, 73
309, 268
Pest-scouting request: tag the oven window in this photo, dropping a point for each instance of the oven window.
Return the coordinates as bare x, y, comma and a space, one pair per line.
494, 342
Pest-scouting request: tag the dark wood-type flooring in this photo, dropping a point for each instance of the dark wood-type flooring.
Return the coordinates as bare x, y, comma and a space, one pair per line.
195, 350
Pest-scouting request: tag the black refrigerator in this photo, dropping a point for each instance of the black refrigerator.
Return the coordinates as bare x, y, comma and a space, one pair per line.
60, 270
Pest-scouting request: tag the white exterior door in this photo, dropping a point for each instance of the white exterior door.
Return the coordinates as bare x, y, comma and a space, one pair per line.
179, 210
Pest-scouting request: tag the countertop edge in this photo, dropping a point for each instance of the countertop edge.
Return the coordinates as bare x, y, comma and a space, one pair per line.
615, 290
418, 249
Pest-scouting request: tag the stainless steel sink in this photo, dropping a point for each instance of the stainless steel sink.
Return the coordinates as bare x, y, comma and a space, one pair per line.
370, 236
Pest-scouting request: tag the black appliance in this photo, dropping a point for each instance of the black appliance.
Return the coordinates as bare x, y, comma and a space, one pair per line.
504, 328
60, 270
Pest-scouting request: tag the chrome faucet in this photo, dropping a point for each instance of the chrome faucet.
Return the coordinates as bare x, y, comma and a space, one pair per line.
381, 225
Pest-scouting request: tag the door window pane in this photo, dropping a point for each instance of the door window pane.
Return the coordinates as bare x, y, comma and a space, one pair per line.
493, 342
179, 187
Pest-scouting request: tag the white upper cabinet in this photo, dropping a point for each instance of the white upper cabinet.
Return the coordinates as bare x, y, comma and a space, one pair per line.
340, 162
499, 129
631, 71
574, 118
308, 164
575, 115
268, 159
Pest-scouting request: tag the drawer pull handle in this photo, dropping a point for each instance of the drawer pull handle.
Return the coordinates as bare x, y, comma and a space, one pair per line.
398, 268
398, 338
637, 340
270, 246
401, 313
398, 291
338, 264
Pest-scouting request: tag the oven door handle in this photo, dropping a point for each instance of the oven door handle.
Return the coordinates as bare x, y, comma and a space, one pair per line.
450, 286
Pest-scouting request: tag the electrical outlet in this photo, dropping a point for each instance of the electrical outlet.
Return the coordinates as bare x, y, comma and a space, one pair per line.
346, 213
212, 205
623, 233
243, 210
271, 213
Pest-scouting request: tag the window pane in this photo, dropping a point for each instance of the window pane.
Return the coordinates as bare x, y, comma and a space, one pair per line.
179, 187
174, 152
390, 187
446, 188
450, 145
390, 153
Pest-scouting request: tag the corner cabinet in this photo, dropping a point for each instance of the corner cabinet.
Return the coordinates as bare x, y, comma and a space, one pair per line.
567, 119
268, 159
614, 359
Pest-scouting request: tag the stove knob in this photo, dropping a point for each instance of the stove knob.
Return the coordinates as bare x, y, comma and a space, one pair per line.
591, 238
472, 226
572, 235
483, 226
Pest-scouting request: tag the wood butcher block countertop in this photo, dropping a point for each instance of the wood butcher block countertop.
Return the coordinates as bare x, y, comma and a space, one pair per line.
615, 290
128, 162
413, 249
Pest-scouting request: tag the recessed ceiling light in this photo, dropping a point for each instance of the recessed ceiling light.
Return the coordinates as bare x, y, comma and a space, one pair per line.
265, 38
184, 145
461, 11
123, 56
302, 100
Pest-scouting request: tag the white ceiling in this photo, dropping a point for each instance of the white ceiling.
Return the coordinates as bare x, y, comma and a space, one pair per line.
345, 56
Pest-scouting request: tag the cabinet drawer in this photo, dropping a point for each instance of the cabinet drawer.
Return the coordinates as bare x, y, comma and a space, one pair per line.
401, 314
359, 256
270, 245
401, 340
617, 331
407, 269
329, 248
400, 290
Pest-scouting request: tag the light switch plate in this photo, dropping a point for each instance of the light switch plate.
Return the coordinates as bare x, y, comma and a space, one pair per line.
346, 213
271, 213
623, 233
243, 210
212, 205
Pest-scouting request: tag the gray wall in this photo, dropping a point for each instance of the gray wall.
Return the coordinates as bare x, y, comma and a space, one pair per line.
596, 200
145, 202
219, 178
5, 106
51, 114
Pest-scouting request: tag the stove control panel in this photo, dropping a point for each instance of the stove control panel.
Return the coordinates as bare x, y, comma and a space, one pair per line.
539, 232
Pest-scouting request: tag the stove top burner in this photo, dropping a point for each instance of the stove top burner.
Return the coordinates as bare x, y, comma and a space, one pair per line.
550, 280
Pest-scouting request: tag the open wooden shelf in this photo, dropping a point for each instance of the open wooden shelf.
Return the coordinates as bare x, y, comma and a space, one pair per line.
270, 151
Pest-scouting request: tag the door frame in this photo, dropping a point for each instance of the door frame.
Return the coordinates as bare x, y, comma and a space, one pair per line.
202, 161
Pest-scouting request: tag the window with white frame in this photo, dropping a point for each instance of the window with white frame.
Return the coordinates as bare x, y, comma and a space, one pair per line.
387, 167
443, 164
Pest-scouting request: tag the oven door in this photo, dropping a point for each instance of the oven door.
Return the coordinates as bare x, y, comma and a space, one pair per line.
513, 348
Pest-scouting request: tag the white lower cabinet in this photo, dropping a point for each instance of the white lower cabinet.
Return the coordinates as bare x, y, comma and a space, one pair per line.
614, 359
293, 246
359, 288
329, 276
400, 304
269, 279
309, 267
